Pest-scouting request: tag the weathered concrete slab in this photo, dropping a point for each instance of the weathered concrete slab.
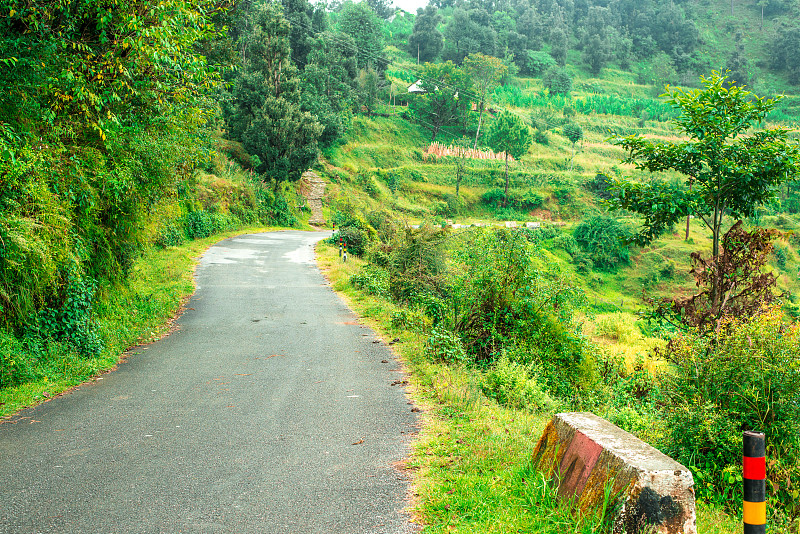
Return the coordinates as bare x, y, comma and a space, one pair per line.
511, 224
532, 225
586, 452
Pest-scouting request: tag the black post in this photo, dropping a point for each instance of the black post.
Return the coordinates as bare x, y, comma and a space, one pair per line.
754, 469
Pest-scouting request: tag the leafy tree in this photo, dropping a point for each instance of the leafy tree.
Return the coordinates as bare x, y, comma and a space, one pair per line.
469, 32
485, 73
265, 113
305, 20
370, 85
328, 81
536, 62
88, 66
444, 102
738, 66
360, 22
785, 49
557, 81
559, 45
596, 54
103, 115
427, 41
728, 170
574, 133
508, 133
383, 8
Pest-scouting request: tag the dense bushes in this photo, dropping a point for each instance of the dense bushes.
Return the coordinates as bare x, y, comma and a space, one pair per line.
487, 296
604, 239
745, 377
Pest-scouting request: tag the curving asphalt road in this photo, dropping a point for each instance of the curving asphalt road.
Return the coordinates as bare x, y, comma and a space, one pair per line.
269, 410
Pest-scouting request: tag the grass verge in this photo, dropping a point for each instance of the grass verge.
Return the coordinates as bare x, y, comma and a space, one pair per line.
471, 461
138, 310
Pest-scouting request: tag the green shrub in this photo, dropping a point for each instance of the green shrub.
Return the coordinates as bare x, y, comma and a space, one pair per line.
503, 300
69, 320
373, 280
493, 197
568, 244
557, 81
15, 367
198, 224
171, 235
355, 238
444, 346
535, 62
781, 255
604, 239
745, 377
510, 384
366, 181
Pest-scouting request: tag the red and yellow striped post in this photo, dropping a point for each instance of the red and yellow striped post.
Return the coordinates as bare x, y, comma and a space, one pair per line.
755, 488
344, 258
340, 246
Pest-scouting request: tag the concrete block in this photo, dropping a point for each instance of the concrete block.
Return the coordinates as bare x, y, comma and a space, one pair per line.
532, 225
511, 224
651, 490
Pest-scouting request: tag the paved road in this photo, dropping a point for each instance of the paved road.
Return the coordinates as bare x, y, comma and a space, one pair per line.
243, 420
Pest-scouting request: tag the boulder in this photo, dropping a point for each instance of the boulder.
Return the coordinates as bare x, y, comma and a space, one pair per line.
586, 454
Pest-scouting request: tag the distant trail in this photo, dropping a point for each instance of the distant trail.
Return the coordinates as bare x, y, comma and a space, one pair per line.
249, 418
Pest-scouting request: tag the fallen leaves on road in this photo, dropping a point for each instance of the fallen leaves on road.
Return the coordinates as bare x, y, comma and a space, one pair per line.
359, 442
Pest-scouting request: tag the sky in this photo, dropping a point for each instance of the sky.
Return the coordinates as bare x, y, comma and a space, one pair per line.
410, 5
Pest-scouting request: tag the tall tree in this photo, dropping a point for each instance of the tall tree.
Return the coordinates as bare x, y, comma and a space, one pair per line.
729, 169
370, 85
444, 101
328, 83
485, 73
265, 113
360, 22
468, 32
508, 133
426, 42
305, 21
574, 133
383, 8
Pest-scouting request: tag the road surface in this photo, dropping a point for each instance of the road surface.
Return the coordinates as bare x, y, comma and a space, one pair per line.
268, 410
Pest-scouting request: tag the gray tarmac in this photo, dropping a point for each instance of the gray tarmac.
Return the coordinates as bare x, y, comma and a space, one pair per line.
268, 410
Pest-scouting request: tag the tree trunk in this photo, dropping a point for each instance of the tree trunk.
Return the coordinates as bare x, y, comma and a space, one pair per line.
478, 133
505, 200
716, 297
687, 228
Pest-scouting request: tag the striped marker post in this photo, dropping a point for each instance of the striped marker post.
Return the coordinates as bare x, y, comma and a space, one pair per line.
755, 474
344, 258
340, 247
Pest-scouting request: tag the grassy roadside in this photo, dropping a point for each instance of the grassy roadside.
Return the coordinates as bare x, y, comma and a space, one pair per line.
471, 463
472, 473
138, 310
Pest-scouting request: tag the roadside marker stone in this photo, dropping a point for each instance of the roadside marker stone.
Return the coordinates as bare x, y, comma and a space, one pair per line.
586, 454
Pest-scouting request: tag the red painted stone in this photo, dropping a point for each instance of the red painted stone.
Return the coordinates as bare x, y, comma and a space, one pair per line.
577, 464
